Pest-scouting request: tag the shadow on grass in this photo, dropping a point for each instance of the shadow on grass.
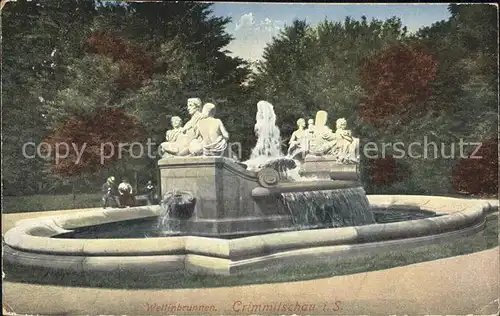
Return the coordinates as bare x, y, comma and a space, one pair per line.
486, 239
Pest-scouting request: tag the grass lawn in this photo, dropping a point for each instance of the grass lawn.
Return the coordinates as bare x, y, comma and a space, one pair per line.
35, 203
486, 239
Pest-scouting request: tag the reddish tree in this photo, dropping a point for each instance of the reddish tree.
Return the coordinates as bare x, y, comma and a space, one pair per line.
478, 176
385, 171
135, 64
95, 135
395, 79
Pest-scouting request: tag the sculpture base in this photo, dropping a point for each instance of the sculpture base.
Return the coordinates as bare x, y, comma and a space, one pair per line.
224, 204
327, 167
228, 202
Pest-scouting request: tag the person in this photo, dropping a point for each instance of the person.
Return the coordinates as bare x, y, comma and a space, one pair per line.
194, 109
150, 192
109, 191
212, 133
126, 196
298, 140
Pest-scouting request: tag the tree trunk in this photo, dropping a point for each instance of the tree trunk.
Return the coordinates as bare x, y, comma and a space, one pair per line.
135, 182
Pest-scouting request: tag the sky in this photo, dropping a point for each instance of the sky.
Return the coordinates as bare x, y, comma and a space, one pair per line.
254, 24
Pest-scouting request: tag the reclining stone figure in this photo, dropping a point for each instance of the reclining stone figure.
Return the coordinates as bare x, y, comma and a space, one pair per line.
298, 143
186, 138
340, 145
347, 147
324, 139
212, 132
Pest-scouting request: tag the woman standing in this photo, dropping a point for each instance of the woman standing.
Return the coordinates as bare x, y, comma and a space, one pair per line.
126, 193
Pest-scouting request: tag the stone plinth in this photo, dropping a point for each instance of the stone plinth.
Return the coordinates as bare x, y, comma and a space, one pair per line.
325, 167
222, 189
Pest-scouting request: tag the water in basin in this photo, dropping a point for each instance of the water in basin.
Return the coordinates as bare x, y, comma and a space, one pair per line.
148, 227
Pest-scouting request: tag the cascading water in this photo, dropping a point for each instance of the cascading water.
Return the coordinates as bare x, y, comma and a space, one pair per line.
338, 208
166, 222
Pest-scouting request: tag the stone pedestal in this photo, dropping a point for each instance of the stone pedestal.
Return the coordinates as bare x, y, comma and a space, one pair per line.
325, 167
222, 189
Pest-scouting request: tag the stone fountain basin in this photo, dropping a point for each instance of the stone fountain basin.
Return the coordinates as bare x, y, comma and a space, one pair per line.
29, 243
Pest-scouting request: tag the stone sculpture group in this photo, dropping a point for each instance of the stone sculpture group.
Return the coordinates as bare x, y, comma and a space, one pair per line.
205, 135
319, 140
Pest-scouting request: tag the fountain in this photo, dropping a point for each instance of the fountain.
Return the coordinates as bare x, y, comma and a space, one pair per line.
232, 200
224, 217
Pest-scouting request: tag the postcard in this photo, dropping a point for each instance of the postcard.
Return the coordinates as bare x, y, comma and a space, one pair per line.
253, 158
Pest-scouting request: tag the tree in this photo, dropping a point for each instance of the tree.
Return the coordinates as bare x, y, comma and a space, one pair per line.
385, 171
391, 86
187, 64
92, 83
478, 176
135, 64
87, 143
64, 62
321, 71
396, 80
474, 26
37, 39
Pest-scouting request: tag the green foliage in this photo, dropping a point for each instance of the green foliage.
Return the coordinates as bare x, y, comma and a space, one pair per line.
452, 63
91, 84
321, 71
35, 48
64, 60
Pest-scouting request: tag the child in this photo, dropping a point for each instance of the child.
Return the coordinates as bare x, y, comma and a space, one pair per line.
109, 192
150, 192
